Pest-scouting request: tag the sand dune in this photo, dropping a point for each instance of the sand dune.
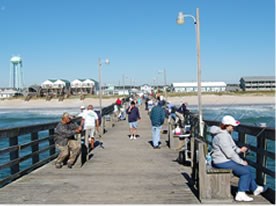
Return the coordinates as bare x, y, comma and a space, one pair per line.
191, 100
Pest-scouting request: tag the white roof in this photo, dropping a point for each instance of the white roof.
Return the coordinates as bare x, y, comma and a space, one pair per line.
47, 82
203, 84
89, 81
76, 81
59, 81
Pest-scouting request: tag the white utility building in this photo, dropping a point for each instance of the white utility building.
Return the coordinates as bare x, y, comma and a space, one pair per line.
205, 86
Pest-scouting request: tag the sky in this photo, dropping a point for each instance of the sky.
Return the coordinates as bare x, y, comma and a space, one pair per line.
64, 39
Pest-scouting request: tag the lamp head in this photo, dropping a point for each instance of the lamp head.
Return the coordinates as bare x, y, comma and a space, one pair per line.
107, 61
180, 18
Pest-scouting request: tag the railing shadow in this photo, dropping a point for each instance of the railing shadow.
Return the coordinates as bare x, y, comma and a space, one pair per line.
190, 184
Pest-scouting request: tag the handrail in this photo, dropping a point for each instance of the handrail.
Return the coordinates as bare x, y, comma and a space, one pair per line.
261, 136
35, 142
259, 140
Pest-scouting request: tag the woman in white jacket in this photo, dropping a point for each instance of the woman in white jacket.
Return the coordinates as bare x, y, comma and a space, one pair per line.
226, 155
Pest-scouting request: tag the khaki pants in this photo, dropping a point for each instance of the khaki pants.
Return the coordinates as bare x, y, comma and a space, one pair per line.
71, 150
181, 117
89, 132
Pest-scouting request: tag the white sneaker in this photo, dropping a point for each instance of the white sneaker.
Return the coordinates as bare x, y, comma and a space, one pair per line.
134, 137
241, 196
258, 190
131, 137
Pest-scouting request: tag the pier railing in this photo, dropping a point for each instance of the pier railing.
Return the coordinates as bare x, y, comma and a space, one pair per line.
261, 144
259, 140
23, 149
27, 148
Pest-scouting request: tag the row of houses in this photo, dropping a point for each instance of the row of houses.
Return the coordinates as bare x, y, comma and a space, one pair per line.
61, 87
77, 86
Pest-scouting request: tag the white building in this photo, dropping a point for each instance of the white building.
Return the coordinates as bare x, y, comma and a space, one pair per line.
55, 84
55, 87
255, 83
205, 87
84, 86
8, 93
146, 88
48, 84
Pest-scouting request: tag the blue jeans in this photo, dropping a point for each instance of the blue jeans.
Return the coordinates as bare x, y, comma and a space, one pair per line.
156, 135
246, 182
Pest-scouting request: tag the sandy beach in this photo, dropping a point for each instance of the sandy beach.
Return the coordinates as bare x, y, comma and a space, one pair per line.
191, 100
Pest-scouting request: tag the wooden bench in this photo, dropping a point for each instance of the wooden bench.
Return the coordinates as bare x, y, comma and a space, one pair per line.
176, 142
213, 184
182, 143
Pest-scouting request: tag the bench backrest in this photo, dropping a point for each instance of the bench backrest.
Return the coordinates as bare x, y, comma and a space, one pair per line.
213, 184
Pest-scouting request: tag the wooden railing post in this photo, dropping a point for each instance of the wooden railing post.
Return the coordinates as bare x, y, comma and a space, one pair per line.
169, 133
52, 141
242, 137
35, 147
260, 160
13, 141
102, 127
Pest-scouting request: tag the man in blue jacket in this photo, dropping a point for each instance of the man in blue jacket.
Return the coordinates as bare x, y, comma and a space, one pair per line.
157, 117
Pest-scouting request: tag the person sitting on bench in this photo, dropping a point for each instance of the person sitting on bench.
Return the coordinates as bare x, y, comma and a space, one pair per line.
226, 155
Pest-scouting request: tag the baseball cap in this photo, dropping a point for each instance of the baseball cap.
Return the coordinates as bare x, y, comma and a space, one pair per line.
82, 107
229, 120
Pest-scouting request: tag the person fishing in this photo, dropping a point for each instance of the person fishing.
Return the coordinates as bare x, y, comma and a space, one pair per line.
225, 155
65, 141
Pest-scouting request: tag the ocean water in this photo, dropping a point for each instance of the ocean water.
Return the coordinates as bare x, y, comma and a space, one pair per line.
24, 117
246, 114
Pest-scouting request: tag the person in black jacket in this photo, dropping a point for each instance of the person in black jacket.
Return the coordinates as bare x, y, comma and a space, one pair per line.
180, 113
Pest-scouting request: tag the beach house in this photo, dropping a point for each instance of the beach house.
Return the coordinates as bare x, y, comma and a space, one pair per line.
84, 86
55, 87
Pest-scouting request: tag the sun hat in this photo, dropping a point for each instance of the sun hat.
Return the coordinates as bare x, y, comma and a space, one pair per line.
82, 107
229, 120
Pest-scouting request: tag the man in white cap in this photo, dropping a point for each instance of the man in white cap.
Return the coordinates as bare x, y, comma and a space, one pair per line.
82, 109
225, 154
90, 122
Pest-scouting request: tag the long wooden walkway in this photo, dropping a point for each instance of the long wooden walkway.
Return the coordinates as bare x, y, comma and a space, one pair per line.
124, 172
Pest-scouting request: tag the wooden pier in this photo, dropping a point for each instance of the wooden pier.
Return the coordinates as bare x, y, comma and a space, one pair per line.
123, 172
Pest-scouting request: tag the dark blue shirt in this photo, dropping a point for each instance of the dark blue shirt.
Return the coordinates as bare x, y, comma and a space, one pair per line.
157, 116
133, 115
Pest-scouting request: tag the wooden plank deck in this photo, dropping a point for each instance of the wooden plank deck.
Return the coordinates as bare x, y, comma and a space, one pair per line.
124, 172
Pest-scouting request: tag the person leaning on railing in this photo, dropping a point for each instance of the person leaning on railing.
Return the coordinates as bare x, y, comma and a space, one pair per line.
180, 113
225, 154
66, 142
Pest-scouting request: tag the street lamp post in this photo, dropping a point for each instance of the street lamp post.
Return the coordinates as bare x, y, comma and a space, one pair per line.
180, 20
100, 80
124, 84
165, 81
